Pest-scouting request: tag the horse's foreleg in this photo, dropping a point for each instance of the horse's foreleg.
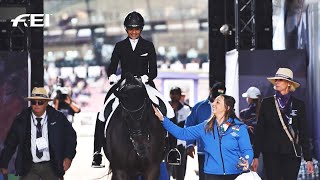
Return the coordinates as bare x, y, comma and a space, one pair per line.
152, 173
119, 175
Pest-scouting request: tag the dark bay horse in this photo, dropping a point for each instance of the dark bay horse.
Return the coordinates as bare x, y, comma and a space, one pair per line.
134, 137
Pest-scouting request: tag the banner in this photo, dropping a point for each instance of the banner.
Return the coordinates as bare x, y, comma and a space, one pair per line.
232, 77
256, 66
313, 111
13, 89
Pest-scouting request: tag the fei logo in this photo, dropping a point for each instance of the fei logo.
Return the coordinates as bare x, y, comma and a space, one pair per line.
36, 20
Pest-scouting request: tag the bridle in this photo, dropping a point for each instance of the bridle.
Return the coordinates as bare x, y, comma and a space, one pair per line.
141, 131
138, 132
130, 111
135, 110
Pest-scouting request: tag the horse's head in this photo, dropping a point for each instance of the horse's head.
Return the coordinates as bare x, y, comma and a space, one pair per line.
134, 101
132, 93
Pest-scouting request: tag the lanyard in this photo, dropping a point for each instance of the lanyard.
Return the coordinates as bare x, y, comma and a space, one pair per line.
285, 127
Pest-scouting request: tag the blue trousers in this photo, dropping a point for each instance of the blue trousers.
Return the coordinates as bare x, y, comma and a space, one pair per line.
163, 172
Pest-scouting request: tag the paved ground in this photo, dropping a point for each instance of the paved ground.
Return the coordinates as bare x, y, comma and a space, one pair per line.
81, 165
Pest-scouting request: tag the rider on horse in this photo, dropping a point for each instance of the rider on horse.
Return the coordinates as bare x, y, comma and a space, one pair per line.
138, 57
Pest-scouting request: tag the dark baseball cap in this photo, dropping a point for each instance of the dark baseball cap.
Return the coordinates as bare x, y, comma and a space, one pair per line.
175, 90
217, 89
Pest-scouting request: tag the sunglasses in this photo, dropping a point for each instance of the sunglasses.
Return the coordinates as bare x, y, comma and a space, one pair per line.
39, 102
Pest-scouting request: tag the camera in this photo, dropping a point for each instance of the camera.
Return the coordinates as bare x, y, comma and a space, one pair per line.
62, 93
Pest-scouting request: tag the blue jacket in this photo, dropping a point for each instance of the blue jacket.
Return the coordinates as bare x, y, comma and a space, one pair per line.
199, 113
222, 152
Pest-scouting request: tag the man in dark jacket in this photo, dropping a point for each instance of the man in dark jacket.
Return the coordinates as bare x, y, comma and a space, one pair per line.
45, 139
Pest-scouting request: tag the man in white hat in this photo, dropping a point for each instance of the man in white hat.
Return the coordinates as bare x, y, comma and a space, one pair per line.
250, 115
46, 140
252, 96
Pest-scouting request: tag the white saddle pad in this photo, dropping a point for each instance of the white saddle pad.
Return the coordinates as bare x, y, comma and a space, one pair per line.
153, 94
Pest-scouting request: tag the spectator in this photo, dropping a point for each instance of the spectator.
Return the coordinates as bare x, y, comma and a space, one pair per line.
281, 132
249, 115
64, 103
46, 140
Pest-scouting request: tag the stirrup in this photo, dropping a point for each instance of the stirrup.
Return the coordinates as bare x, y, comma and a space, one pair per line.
174, 157
97, 160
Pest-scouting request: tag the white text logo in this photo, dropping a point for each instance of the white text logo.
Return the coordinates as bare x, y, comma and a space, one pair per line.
36, 20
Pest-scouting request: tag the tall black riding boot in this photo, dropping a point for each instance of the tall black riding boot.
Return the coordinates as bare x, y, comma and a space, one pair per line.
98, 140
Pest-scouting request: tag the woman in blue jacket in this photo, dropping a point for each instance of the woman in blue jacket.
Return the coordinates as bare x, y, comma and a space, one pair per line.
225, 138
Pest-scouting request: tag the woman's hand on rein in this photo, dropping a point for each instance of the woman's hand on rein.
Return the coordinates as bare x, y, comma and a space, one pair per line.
158, 113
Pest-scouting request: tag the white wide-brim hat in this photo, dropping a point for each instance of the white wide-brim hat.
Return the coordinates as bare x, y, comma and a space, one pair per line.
286, 74
38, 93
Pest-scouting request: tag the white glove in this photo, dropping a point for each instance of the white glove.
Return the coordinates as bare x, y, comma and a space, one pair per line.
113, 79
144, 78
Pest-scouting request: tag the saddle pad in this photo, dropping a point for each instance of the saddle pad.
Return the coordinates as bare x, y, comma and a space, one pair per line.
107, 103
154, 96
